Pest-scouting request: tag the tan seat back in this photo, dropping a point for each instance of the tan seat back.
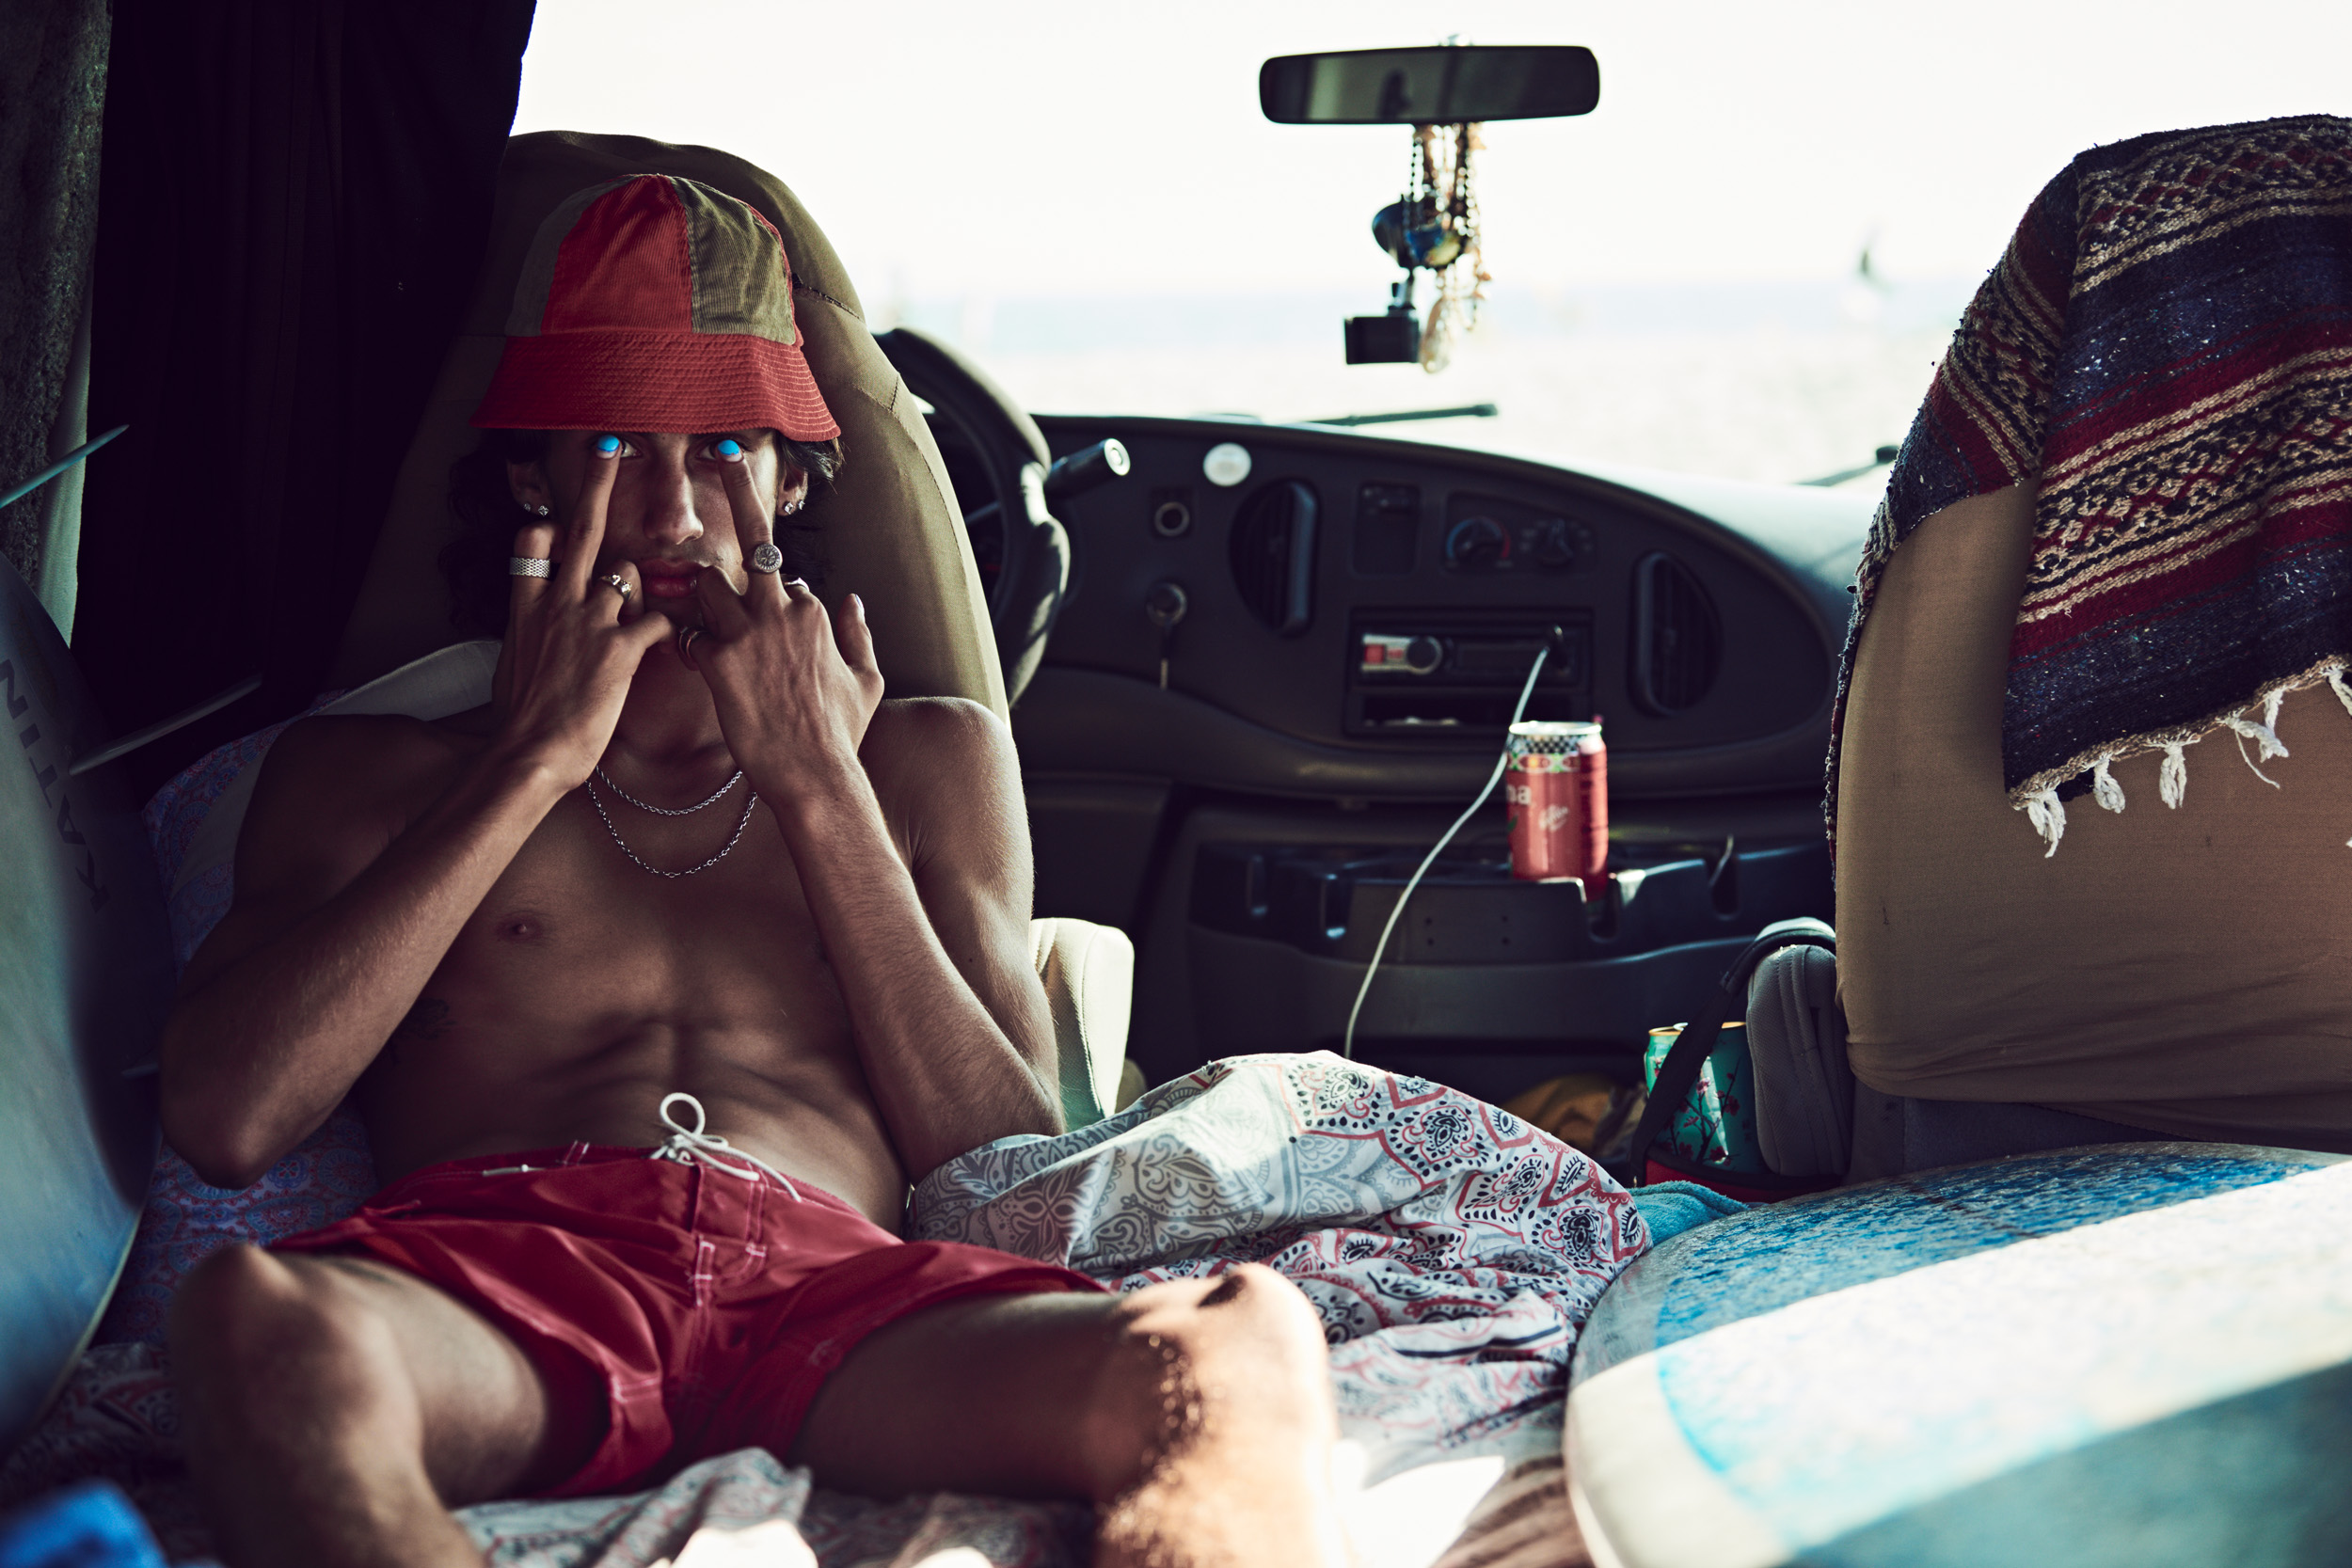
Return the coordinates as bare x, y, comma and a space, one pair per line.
2176, 969
889, 532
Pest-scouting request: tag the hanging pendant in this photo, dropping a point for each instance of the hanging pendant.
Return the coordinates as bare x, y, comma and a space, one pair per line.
1415, 238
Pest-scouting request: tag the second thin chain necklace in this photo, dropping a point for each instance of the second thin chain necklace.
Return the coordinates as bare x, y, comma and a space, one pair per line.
606, 817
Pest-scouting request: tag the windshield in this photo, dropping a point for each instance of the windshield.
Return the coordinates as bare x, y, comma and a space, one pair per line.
1745, 262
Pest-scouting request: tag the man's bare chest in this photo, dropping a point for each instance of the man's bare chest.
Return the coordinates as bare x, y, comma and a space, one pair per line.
584, 987
577, 925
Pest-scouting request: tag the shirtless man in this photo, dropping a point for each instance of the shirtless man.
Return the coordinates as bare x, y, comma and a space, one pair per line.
460, 921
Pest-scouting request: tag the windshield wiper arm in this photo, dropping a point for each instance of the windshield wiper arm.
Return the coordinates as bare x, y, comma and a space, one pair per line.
1886, 455
1468, 411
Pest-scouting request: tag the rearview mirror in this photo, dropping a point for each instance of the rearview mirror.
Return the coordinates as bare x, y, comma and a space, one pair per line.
1445, 84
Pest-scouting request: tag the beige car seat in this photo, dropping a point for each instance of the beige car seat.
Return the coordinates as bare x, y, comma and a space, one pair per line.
890, 530
2184, 971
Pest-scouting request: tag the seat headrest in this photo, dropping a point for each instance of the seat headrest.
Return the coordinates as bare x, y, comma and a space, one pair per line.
889, 530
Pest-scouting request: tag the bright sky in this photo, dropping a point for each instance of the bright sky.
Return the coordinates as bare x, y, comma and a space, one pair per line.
1040, 146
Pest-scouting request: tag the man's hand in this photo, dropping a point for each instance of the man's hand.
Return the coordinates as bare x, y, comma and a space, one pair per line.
794, 702
572, 644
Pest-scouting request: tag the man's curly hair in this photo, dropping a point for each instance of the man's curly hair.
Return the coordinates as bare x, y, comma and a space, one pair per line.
480, 499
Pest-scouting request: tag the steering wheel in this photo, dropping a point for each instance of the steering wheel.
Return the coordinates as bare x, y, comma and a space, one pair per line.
1032, 550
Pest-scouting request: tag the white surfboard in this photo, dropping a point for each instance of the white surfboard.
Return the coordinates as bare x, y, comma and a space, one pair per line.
2136, 1355
85, 979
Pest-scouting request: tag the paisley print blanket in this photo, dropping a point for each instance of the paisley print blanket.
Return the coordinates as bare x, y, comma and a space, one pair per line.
1452, 1251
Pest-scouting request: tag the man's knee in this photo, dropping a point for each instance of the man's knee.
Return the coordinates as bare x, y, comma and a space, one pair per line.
1242, 1346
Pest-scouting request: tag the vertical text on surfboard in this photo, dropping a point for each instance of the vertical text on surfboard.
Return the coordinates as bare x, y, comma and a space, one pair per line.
45, 775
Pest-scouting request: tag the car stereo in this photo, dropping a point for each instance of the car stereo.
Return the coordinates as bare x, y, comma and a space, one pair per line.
1441, 674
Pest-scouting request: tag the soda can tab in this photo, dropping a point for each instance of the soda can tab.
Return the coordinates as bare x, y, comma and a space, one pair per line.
1555, 792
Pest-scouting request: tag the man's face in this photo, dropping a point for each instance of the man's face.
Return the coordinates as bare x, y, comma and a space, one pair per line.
669, 513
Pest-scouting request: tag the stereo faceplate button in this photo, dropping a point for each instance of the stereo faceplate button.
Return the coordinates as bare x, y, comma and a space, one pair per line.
1394, 654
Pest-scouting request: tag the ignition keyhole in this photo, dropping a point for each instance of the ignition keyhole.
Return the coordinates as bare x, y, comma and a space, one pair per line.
1165, 606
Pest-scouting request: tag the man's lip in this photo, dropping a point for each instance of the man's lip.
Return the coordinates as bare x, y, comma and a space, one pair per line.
668, 579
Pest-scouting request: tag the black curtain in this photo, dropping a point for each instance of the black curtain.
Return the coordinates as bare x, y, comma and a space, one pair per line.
294, 201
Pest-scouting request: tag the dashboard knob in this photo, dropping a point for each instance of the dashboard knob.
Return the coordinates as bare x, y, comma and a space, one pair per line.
1423, 655
1555, 547
1477, 544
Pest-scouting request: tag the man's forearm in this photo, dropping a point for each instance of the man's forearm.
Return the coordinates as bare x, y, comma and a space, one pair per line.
256, 1055
947, 1077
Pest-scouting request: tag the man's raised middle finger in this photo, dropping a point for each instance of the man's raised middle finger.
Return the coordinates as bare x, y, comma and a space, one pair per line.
583, 534
754, 529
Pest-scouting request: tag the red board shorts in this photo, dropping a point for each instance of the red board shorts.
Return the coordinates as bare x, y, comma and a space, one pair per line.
695, 1311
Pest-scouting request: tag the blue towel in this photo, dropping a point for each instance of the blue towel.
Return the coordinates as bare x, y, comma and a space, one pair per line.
1670, 1207
90, 1526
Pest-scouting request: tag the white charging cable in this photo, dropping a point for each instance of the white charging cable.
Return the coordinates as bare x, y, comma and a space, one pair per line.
1347, 1042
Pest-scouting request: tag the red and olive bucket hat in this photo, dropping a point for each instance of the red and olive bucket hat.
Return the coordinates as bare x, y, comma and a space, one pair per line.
655, 303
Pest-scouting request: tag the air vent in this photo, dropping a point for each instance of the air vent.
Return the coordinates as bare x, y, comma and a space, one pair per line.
1677, 638
1274, 554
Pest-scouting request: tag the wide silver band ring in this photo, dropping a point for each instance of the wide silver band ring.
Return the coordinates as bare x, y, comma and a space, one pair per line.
766, 558
619, 584
529, 567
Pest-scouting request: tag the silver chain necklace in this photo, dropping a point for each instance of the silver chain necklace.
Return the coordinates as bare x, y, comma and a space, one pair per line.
741, 822
664, 811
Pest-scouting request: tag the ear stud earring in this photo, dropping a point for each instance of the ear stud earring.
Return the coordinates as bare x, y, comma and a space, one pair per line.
538, 511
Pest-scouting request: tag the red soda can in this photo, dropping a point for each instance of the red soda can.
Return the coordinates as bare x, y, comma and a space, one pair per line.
1555, 788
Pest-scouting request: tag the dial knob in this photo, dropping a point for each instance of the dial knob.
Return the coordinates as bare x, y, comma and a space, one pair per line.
1555, 547
1477, 544
1422, 654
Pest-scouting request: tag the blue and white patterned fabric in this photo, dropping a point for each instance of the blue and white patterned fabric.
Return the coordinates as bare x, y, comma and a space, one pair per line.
1453, 1250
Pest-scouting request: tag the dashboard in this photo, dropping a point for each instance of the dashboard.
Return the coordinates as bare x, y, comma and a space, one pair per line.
1300, 610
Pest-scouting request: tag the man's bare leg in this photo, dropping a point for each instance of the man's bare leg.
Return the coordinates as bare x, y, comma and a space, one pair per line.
334, 1411
1196, 1415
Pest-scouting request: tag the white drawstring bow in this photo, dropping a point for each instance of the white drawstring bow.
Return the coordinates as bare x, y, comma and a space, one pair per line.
693, 1146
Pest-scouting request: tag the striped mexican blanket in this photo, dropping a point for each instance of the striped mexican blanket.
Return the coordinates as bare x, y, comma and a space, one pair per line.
2166, 348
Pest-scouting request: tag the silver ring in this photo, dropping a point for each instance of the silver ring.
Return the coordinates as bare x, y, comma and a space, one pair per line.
618, 583
528, 566
766, 558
